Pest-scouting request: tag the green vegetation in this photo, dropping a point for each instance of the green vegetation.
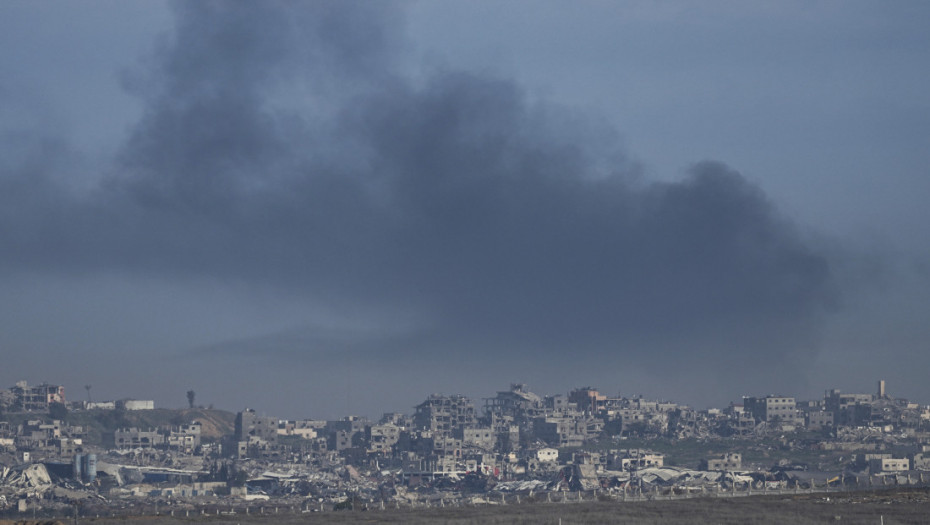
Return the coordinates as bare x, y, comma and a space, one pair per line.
58, 411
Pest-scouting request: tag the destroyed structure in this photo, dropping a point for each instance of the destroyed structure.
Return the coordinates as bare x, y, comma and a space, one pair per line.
517, 442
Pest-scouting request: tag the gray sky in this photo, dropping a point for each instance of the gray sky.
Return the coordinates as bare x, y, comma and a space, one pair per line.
320, 208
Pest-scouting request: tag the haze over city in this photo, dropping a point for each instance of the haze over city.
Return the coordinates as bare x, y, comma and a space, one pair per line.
324, 208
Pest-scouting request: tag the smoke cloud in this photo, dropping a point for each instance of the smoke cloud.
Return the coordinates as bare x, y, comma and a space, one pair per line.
293, 147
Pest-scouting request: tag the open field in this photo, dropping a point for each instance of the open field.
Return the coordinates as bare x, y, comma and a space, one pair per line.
890, 507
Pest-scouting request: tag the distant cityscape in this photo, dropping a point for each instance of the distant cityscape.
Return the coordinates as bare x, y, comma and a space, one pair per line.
55, 452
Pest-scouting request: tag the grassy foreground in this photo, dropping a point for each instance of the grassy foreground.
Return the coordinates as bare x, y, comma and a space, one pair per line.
889, 507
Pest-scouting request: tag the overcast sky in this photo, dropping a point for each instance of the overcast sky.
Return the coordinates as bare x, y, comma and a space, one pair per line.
316, 209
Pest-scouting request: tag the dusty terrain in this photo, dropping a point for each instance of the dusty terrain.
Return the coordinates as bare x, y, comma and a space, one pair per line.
889, 507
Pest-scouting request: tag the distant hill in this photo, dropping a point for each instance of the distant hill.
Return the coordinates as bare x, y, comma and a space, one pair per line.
100, 424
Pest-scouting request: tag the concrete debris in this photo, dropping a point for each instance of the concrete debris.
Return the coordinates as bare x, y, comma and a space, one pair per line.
29, 476
353, 474
528, 486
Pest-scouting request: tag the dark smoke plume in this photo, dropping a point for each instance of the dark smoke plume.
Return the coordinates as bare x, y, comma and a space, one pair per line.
284, 145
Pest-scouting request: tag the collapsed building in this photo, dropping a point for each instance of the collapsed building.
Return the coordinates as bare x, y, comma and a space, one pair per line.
37, 398
447, 448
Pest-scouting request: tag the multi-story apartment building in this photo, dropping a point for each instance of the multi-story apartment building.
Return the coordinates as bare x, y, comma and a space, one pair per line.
771, 408
441, 414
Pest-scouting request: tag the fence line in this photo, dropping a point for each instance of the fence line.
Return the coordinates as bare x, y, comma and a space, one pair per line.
654, 493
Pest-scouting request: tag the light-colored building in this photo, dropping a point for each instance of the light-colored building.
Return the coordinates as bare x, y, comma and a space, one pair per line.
846, 408
548, 455
479, 437
634, 459
36, 398
381, 438
771, 409
819, 419
102, 405
560, 431
889, 465
729, 461
249, 424
125, 438
185, 438
303, 428
587, 399
138, 404
442, 414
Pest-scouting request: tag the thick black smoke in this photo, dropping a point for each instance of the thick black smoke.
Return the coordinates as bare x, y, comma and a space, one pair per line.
284, 144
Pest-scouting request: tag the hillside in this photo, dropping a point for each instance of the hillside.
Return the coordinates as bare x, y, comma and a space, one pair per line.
100, 424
